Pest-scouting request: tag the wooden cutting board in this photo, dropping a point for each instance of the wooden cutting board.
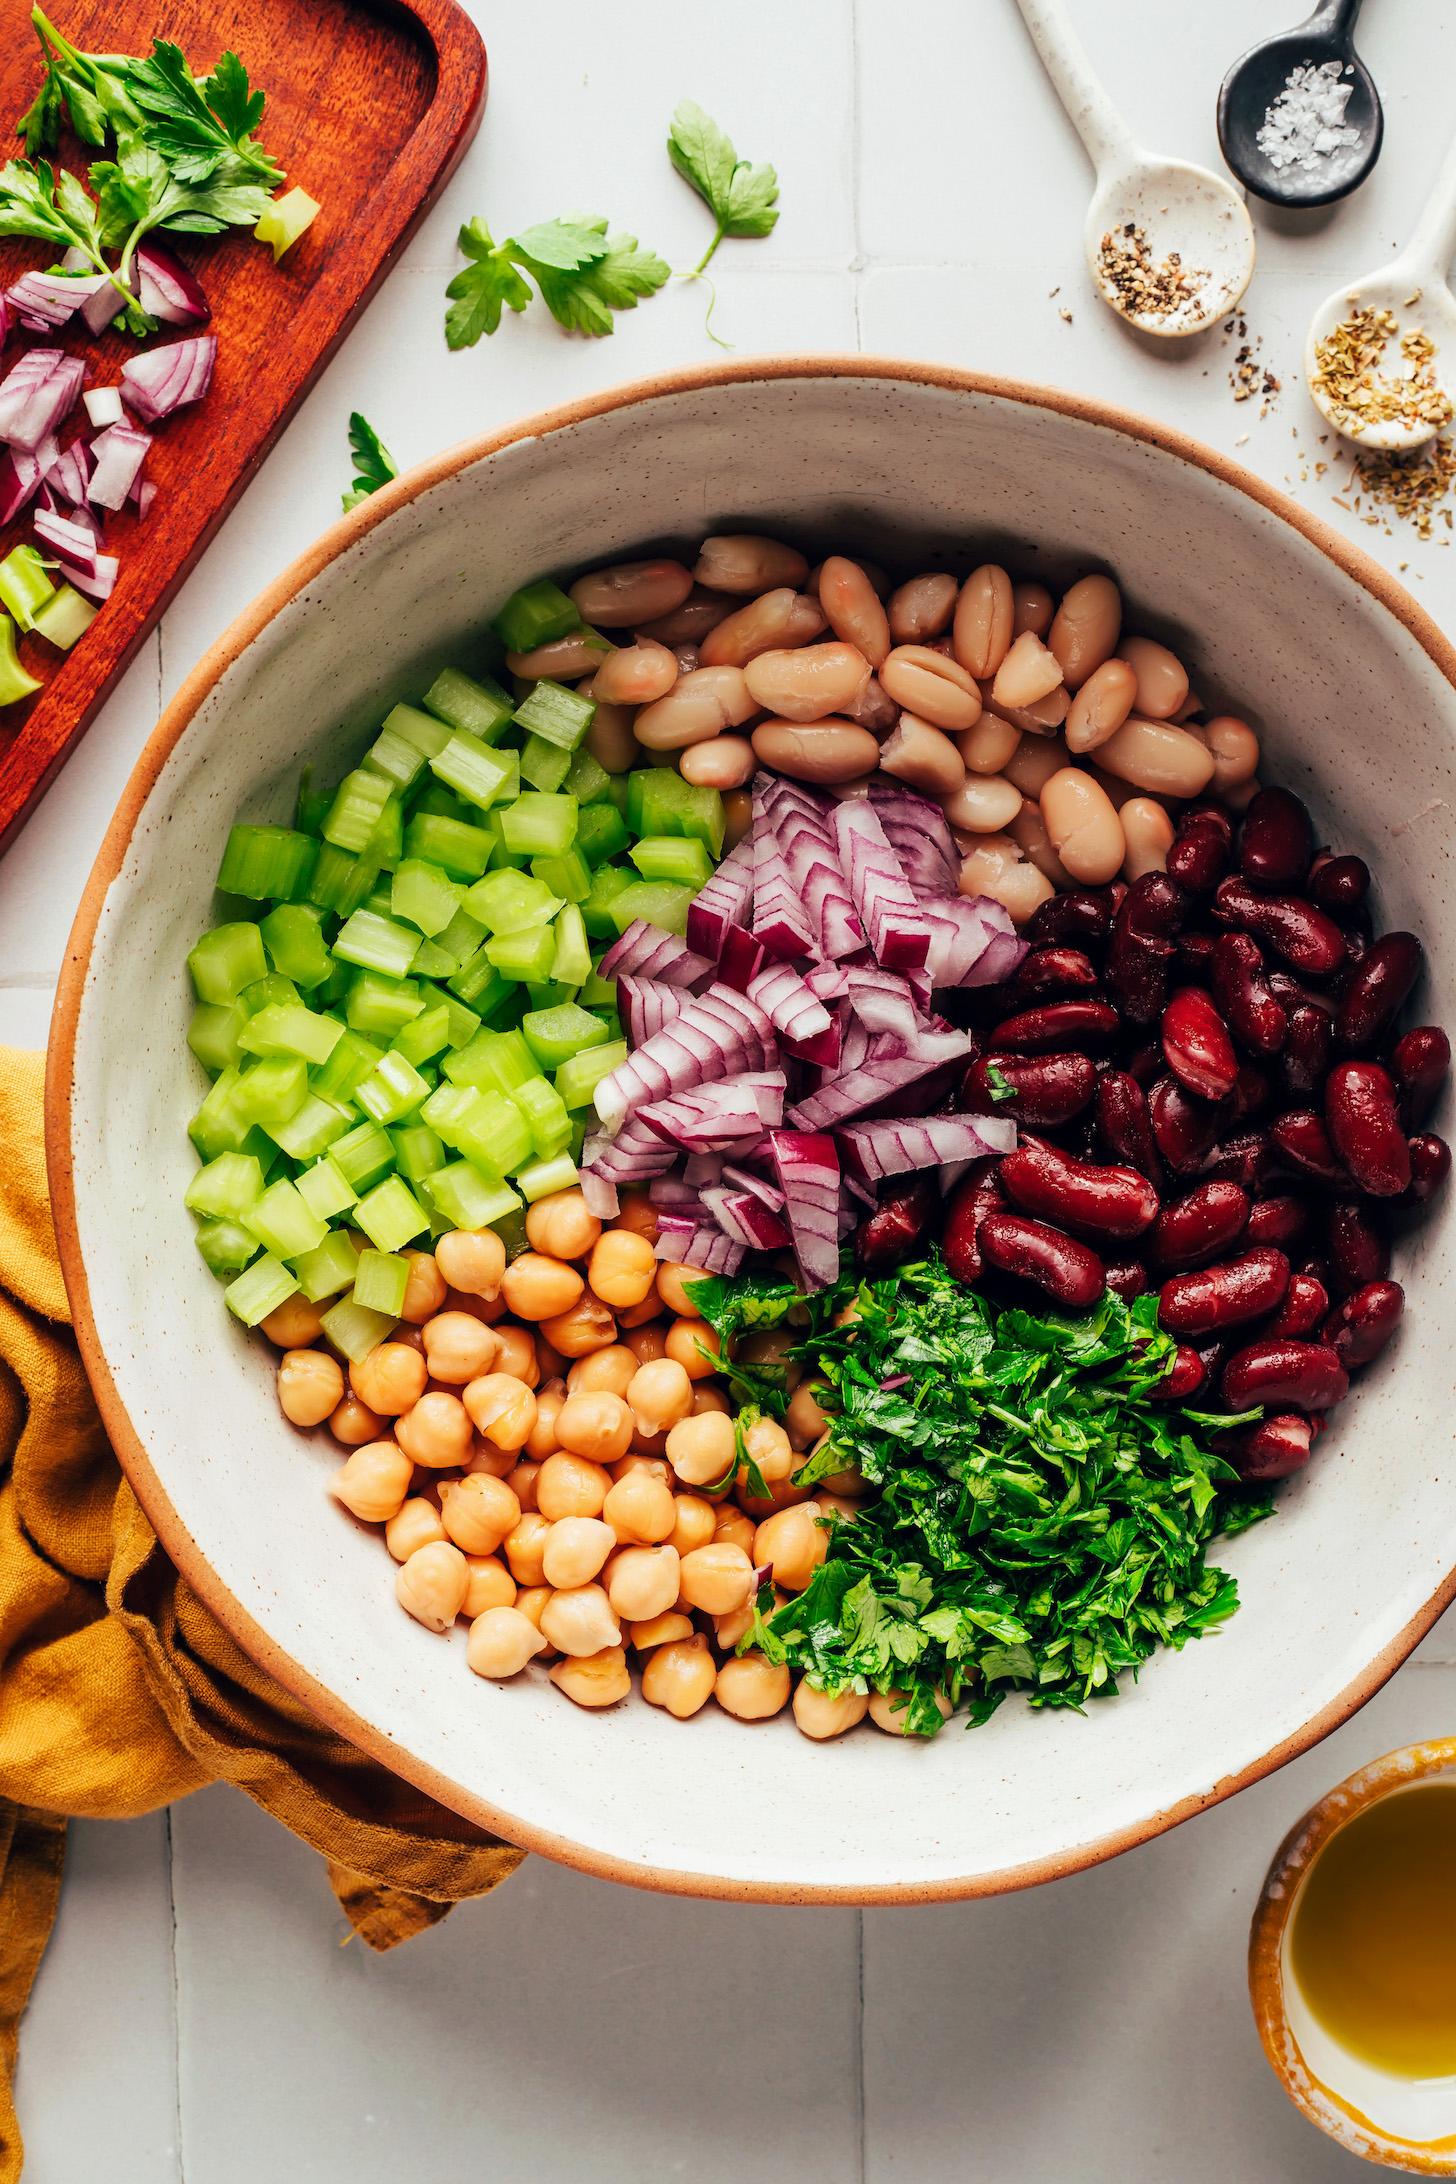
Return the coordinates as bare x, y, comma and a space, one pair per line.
371, 104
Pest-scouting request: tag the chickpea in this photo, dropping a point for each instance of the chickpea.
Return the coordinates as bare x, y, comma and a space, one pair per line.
735, 1527
459, 1347
354, 1422
415, 1525
490, 1585
501, 1641
672, 1279
640, 1509
702, 1450
517, 1355
639, 1315
687, 1340
729, 1628
580, 1621
310, 1386
598, 1427
538, 1288
638, 1214
496, 1463
887, 1710
524, 1546
660, 1394
550, 1364
840, 1508
782, 1494
793, 1544
472, 1261
521, 1479
659, 1630
586, 1327
571, 1486
648, 1343
770, 1448
562, 1228
716, 1578
294, 1323
436, 1433
752, 1688
501, 1408
431, 1585
391, 1379
645, 1462
531, 1601
424, 1289
478, 1512
622, 1267
575, 1549
680, 1676
695, 1522
542, 1441
608, 1371
821, 1714
599, 1679
373, 1481
804, 1418
643, 1582
707, 1398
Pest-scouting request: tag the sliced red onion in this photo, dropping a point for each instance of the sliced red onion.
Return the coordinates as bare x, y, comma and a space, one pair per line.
855, 1092
104, 406
878, 1149
104, 305
714, 1118
718, 1034
803, 1023
883, 1000
920, 836
768, 1088
99, 580
898, 933
686, 1244
805, 838
972, 941
600, 1197
166, 289
37, 395
759, 1187
78, 551
723, 902
144, 492
807, 1166
746, 1219
119, 453
160, 381
645, 951
780, 920
20, 476
740, 958
68, 472
43, 300
646, 1004
675, 1193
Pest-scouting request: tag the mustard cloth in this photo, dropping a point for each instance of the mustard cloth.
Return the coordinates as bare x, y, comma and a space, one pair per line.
118, 1690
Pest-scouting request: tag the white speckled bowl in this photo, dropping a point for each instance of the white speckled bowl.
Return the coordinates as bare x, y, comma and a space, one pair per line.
1356, 691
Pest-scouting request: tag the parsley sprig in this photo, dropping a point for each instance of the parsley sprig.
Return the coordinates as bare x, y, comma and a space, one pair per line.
373, 464
742, 197
585, 277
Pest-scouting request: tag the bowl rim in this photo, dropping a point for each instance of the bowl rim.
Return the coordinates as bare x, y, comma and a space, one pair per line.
184, 1550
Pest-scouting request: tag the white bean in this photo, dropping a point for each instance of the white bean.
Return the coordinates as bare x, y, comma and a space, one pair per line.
1032, 607
1028, 832
853, 608
826, 751
700, 705
1029, 673
1154, 755
808, 684
984, 620
778, 619
1085, 830
1148, 832
636, 675
1162, 679
1085, 627
922, 755
723, 762
745, 563
1101, 705
630, 593
938, 689
922, 609
984, 804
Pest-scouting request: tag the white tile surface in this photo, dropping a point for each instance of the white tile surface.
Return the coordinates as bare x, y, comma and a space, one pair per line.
932, 197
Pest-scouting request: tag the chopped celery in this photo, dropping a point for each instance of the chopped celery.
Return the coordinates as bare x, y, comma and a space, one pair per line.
571, 963
293, 937
452, 949
540, 826
287, 1027
390, 1215
364, 1156
267, 864
477, 708
377, 944
480, 985
483, 1125
568, 876
270, 991
598, 992
64, 620
25, 587
464, 1023
15, 683
212, 1034
608, 882
310, 1130
380, 1004
355, 1330
227, 1186
217, 1127
260, 1290
407, 739
225, 960
460, 850
555, 714
325, 1189
385, 845
672, 857
272, 1090
282, 1222
380, 1281
226, 1247
511, 902
466, 1198
358, 806
659, 801
656, 901
425, 1036
393, 1089
544, 764
328, 1269
418, 1152
527, 956
431, 797
544, 1177
578, 1077
498, 1058
311, 805
475, 771
554, 1035
341, 882
424, 895
545, 1116
587, 781
283, 219
346, 1068
535, 615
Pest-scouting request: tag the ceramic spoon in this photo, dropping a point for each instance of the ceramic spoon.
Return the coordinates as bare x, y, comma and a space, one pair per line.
1413, 288
1178, 206
1254, 83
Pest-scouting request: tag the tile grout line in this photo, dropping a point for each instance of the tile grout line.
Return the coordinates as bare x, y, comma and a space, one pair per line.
176, 2008
856, 148
861, 2130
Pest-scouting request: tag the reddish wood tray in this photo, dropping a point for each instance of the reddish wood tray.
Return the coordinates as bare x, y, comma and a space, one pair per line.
371, 104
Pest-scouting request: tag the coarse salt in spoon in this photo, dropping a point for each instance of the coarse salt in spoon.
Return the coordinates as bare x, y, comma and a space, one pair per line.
1299, 117
1170, 245
1372, 351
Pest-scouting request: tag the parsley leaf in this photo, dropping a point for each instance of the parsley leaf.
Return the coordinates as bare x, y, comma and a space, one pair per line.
373, 464
584, 302
198, 127
584, 274
742, 198
1000, 1089
482, 289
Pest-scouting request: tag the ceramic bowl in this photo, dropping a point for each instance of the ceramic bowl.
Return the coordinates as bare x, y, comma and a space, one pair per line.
1356, 693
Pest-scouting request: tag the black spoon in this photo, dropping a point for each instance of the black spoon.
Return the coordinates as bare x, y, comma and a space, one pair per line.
1254, 83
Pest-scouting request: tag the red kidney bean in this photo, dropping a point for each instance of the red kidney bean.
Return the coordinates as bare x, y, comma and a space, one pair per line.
1252, 1092
1185, 1377
1274, 1447
1318, 1270
1070, 1272
1148, 919
1241, 1158
1145, 1064
1046, 1089
1200, 1226
1358, 1236
1378, 989
1339, 884
1302, 1142
1153, 905
1212, 815
1256, 1019
1305, 1060
1219, 1297
1306, 1304
1300, 1376
1199, 854
1280, 1220
1123, 1123
1213, 1356
1056, 1025
1277, 841
1197, 1046
1081, 917
1305, 937
1420, 1065
1430, 1159
1127, 1278
1054, 1186
899, 1225
1364, 1127
1193, 957
1291, 993
1184, 1128
1359, 1328
1049, 971
977, 1194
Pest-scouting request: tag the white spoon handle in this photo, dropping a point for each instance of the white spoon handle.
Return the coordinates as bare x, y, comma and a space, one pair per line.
1109, 142
1427, 256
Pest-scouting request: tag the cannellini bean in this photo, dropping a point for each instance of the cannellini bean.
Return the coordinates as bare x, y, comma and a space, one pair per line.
1117, 792
874, 708
807, 684
1032, 607
600, 1680
1040, 719
1148, 831
680, 1676
610, 739
636, 675
699, 706
1085, 628
564, 659
988, 747
780, 619
996, 867
820, 1714
414, 1524
1033, 762
984, 620
723, 762
373, 1481
824, 752
690, 623
984, 804
1028, 832
1028, 673
580, 1620
1085, 830
926, 683
1101, 705
432, 1584
631, 593
887, 1710
1154, 755
879, 579
1234, 748
745, 563
501, 1641
853, 609
922, 609
752, 1688
1162, 679
924, 756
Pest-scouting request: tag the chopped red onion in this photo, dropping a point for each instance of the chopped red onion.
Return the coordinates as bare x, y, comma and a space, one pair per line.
780, 920
37, 395
746, 1219
718, 1034
882, 896
674, 1192
160, 381
20, 477
714, 1118
740, 958
807, 1165
920, 836
166, 289
68, 474
600, 1196
645, 951
803, 1023
700, 1169
879, 1149
144, 492
854, 1092
805, 839
723, 902
646, 1004
686, 1244
104, 406
120, 453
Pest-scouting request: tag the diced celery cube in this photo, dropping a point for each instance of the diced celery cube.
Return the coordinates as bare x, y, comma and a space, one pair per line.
568, 876
380, 1281
511, 902
481, 986
598, 992
466, 1198
659, 801
226, 1247
586, 780
424, 895
478, 708
328, 1269
657, 902
672, 857
377, 944
293, 937
358, 806
549, 996
418, 1152
346, 1068
495, 1136
571, 964
535, 615
601, 832
269, 864
500, 856
64, 621
382, 1005
578, 1078
325, 1189
260, 1290
269, 992
311, 805
464, 1023
355, 1330
540, 826
282, 1222
24, 585
226, 960
608, 882
545, 1116
217, 1127
289, 1028
451, 950
526, 956
475, 771
462, 851
226, 1186
390, 1215
501, 1059
556, 714
340, 881
393, 1089
545, 765
545, 1177
426, 1035
364, 1155
554, 1035
407, 739
212, 1034
272, 1090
